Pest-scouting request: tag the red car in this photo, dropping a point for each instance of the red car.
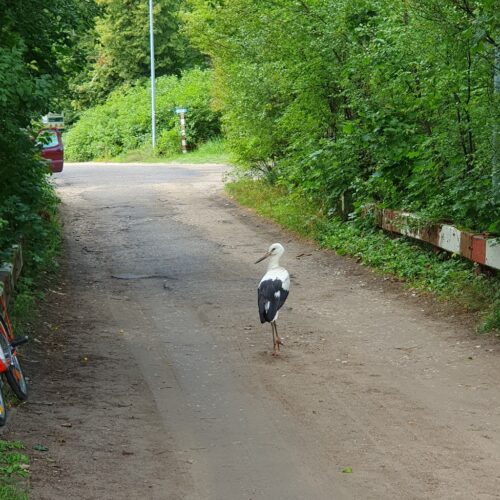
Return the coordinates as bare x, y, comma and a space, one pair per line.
50, 140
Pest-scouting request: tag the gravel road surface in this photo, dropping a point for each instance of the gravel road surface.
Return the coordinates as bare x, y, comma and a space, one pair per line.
151, 376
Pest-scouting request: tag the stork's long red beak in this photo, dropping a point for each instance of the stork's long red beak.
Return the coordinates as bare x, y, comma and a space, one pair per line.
265, 256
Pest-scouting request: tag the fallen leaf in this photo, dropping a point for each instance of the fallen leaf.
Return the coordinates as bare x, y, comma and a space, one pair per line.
347, 470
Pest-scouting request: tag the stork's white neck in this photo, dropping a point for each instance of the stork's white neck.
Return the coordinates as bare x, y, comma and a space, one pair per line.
274, 262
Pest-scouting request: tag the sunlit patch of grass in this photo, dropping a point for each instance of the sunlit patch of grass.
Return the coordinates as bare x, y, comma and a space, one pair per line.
210, 152
293, 212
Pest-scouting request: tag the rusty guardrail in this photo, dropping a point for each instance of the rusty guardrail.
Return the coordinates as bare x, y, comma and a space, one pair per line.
480, 248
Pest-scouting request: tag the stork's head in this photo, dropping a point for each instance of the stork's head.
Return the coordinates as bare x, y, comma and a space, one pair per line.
275, 250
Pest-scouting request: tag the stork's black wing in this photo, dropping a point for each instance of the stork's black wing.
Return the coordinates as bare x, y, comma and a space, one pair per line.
270, 297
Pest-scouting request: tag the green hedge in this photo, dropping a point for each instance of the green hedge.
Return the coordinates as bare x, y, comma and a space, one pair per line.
123, 122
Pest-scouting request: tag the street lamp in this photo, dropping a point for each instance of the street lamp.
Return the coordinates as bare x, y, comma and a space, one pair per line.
153, 86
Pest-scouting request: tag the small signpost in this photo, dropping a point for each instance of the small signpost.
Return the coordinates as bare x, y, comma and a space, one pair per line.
182, 115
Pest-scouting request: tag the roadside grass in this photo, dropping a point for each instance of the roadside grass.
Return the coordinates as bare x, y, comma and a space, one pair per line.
13, 471
40, 267
449, 278
212, 151
14, 482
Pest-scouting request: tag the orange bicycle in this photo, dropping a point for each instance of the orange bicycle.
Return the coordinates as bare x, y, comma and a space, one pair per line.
10, 366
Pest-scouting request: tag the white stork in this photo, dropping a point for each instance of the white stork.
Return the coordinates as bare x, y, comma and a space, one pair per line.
273, 291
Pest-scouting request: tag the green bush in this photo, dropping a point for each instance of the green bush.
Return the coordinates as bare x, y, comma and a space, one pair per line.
168, 142
123, 122
31, 42
28, 207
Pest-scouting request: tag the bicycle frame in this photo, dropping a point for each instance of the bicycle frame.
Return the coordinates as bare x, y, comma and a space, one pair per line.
6, 333
10, 366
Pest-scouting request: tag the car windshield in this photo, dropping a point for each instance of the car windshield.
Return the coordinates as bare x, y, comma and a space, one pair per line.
47, 139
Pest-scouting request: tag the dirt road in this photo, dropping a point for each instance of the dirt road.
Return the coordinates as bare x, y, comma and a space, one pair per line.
152, 376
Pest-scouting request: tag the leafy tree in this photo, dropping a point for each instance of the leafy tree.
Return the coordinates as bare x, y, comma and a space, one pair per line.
391, 101
36, 42
120, 49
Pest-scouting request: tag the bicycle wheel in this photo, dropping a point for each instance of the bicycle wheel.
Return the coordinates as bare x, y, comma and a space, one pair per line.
14, 374
3, 407
15, 378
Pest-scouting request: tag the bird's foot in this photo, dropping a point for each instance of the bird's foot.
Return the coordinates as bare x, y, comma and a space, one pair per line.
276, 346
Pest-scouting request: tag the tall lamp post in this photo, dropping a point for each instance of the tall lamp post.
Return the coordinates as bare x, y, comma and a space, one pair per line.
153, 86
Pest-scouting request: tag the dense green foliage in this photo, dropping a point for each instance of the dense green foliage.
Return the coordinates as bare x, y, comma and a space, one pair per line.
41, 49
36, 56
117, 48
123, 122
391, 101
449, 278
28, 204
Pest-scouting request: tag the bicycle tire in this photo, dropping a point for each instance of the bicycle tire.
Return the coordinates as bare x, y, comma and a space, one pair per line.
3, 406
14, 375
15, 378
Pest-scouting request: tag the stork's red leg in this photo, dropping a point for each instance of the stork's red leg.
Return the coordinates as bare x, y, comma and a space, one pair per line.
276, 339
